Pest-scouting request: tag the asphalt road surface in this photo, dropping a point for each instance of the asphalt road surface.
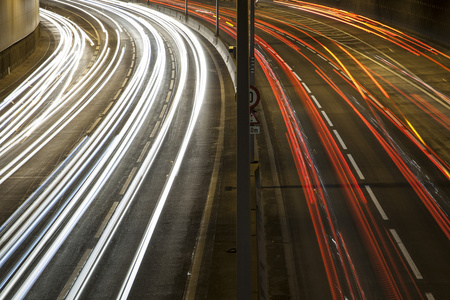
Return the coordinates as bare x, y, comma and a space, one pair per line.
122, 101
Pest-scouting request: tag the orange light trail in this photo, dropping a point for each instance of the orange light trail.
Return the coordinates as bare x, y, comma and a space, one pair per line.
373, 237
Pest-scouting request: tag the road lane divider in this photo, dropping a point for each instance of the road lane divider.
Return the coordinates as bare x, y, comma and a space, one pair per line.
326, 118
105, 220
341, 141
155, 128
405, 253
75, 272
377, 204
127, 183
355, 166
163, 111
306, 87
316, 101
143, 152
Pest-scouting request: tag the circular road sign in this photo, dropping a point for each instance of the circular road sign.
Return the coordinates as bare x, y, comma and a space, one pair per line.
254, 97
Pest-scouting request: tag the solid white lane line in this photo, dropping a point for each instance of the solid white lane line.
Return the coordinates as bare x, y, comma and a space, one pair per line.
405, 252
358, 171
326, 118
105, 221
377, 204
340, 139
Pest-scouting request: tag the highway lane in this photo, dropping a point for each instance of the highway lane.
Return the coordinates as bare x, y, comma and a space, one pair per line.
365, 160
134, 148
366, 113
368, 158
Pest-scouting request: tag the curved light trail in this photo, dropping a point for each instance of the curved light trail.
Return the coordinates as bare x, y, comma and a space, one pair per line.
378, 97
49, 215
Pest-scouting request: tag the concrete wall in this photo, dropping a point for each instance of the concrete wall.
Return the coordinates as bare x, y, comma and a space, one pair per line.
19, 32
427, 17
18, 18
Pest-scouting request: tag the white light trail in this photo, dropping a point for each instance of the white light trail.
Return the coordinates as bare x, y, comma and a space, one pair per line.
86, 192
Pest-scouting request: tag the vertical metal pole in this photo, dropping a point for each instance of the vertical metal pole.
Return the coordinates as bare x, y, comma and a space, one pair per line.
186, 8
217, 17
252, 68
243, 223
252, 42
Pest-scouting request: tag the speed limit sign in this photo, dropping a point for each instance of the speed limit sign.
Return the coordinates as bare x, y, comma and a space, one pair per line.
254, 97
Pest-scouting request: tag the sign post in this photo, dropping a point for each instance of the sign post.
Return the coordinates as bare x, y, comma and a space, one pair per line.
255, 97
243, 206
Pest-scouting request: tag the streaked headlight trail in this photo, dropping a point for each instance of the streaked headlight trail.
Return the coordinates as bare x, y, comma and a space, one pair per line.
47, 218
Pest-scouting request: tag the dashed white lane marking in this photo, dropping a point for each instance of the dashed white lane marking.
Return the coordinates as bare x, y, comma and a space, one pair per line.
429, 296
105, 221
316, 102
336, 133
117, 94
377, 204
322, 57
125, 82
326, 118
107, 108
405, 252
93, 125
155, 129
143, 152
163, 111
80, 264
333, 65
125, 186
355, 166
306, 88
168, 96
